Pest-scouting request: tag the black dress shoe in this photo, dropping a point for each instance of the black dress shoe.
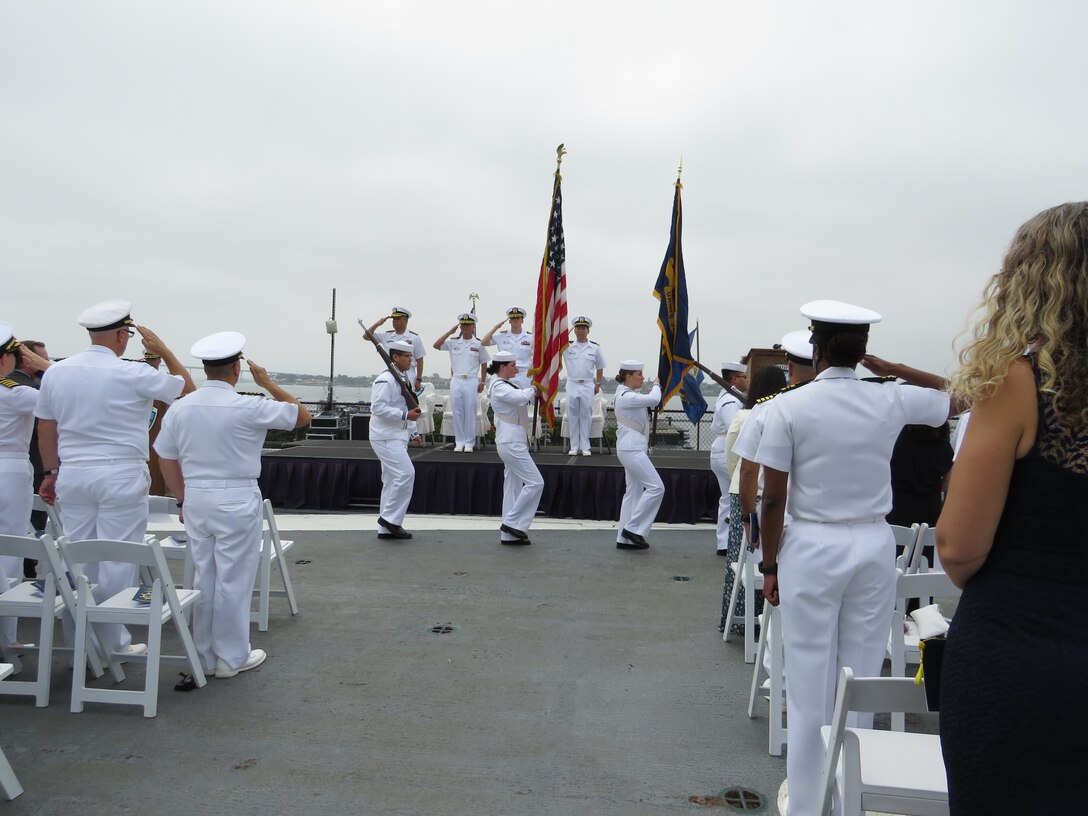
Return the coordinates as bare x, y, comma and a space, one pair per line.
517, 542
394, 530
637, 542
723, 553
627, 545
506, 528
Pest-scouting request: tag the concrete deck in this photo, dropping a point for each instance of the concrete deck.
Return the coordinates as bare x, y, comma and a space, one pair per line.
577, 679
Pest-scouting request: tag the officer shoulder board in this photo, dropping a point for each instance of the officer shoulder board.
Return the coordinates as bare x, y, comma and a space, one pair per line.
412, 332
7, 382
252, 394
790, 387
594, 342
879, 380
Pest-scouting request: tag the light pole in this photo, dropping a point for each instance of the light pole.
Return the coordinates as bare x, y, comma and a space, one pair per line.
330, 327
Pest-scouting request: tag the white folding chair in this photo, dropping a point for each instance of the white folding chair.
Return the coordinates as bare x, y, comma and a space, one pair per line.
596, 422
9, 783
425, 423
744, 577
771, 633
166, 604
52, 518
906, 538
273, 549
903, 636
927, 537
24, 601
885, 771
163, 511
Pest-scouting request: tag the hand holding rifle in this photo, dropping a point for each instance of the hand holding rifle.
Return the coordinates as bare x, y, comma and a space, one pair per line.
405, 389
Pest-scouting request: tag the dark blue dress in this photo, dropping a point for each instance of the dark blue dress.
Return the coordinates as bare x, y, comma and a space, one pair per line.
1014, 688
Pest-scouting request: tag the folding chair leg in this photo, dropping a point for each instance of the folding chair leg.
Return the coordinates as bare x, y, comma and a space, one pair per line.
757, 669
265, 577
749, 606
45, 660
285, 574
151, 675
730, 615
776, 732
8, 781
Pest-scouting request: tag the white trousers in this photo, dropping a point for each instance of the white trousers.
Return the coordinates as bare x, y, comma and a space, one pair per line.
465, 400
645, 492
398, 478
105, 501
16, 499
579, 413
837, 590
717, 464
522, 487
224, 529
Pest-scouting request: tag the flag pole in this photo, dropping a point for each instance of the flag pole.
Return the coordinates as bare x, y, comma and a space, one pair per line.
698, 355
559, 153
657, 411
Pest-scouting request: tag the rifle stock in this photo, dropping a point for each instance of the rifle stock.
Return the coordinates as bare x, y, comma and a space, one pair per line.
736, 392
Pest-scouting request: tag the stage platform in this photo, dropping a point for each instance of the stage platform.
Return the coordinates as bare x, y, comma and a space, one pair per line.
336, 474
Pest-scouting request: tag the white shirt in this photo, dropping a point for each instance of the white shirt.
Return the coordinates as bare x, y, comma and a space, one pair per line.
217, 433
466, 356
732, 460
520, 345
16, 420
388, 337
388, 410
724, 411
511, 406
630, 407
582, 360
835, 438
102, 404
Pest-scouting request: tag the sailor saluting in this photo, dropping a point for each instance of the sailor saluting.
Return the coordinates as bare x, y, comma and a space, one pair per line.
399, 315
517, 341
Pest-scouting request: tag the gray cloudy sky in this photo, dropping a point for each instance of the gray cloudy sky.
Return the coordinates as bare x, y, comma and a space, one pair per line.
224, 165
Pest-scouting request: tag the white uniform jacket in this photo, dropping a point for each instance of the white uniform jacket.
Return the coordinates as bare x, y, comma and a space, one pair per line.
102, 404
511, 406
466, 357
724, 411
582, 360
388, 337
835, 438
632, 419
217, 433
388, 410
520, 345
17, 403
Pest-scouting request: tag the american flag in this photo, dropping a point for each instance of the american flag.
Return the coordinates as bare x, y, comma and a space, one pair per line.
550, 333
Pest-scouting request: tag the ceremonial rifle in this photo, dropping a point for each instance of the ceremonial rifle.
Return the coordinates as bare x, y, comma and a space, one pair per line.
736, 392
398, 375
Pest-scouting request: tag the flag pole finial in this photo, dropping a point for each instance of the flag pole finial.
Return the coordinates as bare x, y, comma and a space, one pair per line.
679, 169
560, 152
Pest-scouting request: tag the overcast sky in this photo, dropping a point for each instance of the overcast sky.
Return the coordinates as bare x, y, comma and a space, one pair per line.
225, 165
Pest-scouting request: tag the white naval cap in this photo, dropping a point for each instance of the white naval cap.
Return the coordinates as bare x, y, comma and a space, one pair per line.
797, 344
632, 365
109, 314
838, 313
515, 311
582, 320
503, 357
402, 346
466, 317
220, 348
400, 311
736, 368
7, 338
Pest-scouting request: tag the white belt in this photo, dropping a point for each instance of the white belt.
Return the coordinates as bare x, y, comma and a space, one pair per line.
219, 483
586, 380
848, 523
14, 455
102, 462
467, 376
509, 418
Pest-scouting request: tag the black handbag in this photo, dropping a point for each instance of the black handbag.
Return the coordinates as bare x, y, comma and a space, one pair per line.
929, 669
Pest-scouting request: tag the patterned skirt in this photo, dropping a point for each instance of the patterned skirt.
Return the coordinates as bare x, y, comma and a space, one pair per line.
736, 541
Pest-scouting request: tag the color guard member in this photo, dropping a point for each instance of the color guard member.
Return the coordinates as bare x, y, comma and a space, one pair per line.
834, 567
645, 490
584, 362
517, 341
724, 410
209, 449
522, 484
468, 370
399, 315
391, 425
93, 414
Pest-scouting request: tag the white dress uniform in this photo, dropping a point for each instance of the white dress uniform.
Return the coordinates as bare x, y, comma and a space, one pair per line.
466, 357
645, 490
102, 406
724, 411
390, 430
582, 361
522, 484
836, 558
216, 434
390, 336
521, 346
17, 403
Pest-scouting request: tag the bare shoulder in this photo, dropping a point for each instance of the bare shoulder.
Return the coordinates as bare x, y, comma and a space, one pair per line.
1012, 411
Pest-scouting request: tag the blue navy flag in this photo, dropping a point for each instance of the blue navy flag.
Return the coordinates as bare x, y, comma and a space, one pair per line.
671, 290
691, 395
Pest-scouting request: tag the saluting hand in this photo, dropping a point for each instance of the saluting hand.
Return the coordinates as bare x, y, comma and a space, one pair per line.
152, 342
882, 368
34, 360
260, 374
